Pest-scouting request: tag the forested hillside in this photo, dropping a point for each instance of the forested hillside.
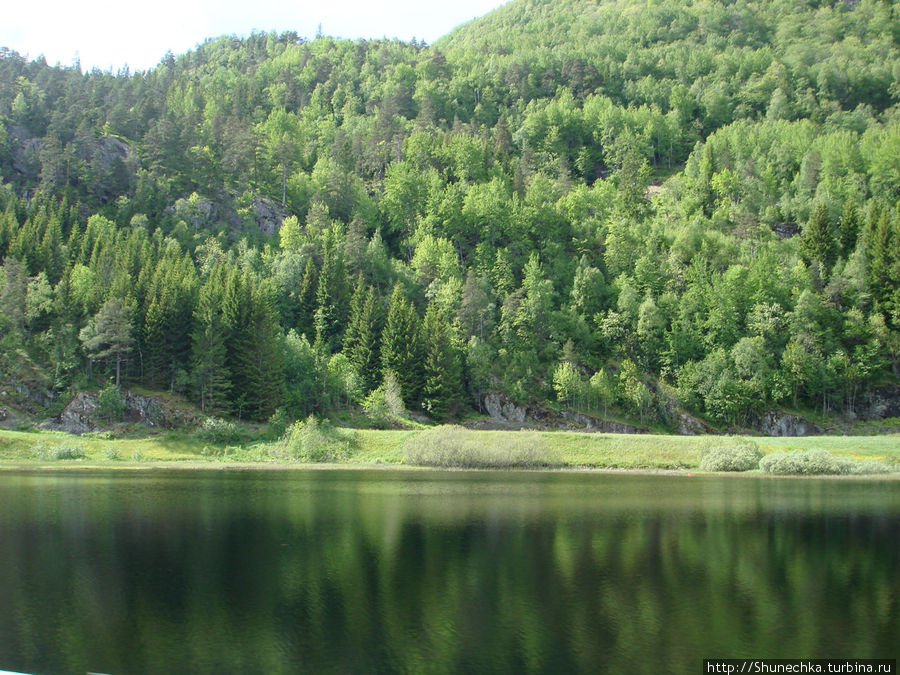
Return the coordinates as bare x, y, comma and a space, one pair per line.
611, 205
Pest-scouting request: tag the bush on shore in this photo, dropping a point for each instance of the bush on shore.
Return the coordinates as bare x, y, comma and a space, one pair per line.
315, 440
63, 450
817, 462
219, 431
744, 457
453, 446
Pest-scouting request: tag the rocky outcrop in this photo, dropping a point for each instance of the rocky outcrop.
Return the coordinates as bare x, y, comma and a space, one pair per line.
268, 215
111, 149
676, 417
506, 414
880, 404
588, 423
775, 423
201, 212
26, 150
786, 230
688, 425
197, 211
80, 416
35, 393
502, 410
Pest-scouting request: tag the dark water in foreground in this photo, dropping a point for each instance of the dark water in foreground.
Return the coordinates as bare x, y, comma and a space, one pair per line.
388, 571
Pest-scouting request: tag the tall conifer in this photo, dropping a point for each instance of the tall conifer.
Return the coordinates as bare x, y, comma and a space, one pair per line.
401, 350
442, 389
211, 375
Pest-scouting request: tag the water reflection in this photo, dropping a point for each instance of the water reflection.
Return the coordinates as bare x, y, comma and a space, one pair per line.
384, 571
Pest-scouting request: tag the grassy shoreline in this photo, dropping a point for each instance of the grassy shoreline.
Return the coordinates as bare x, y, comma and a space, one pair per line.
385, 449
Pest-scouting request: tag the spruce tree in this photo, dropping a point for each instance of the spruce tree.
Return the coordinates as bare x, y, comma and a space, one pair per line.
442, 389
361, 339
883, 246
12, 296
167, 325
306, 298
849, 228
210, 374
235, 318
331, 292
262, 354
818, 239
401, 350
109, 333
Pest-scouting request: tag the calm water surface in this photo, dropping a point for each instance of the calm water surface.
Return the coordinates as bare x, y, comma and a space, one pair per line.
408, 571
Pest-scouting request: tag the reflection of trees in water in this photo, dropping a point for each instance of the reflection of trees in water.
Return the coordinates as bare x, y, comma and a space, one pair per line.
216, 577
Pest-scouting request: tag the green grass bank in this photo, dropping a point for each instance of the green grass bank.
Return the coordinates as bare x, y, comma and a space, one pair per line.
562, 449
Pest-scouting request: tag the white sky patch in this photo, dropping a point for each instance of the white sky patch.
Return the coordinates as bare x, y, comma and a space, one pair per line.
109, 35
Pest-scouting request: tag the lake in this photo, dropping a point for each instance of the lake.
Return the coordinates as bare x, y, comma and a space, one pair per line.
354, 571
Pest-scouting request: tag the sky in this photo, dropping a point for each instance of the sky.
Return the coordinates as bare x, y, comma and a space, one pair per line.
108, 34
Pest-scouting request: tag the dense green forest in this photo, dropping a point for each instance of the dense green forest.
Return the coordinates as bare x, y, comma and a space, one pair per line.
621, 206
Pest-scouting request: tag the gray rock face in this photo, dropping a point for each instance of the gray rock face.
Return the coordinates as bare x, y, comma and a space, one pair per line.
268, 215
688, 425
506, 414
880, 404
112, 148
80, 416
199, 212
25, 148
588, 423
35, 393
502, 410
782, 424
786, 230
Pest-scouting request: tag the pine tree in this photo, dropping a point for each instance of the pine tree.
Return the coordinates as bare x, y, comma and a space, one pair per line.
818, 239
849, 228
442, 389
51, 252
211, 376
109, 333
331, 292
167, 325
306, 298
12, 296
9, 228
361, 339
401, 350
261, 354
883, 247
235, 317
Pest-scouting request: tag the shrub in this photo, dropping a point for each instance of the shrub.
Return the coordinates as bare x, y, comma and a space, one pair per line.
111, 452
278, 423
110, 404
455, 446
863, 467
803, 463
61, 451
817, 462
218, 450
217, 430
731, 457
315, 441
384, 405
